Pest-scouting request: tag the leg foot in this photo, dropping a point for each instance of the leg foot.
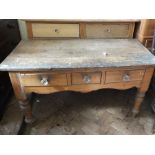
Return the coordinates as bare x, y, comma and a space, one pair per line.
135, 112
27, 110
153, 129
29, 120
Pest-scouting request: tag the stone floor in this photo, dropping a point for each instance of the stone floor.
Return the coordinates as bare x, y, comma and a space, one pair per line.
12, 119
105, 112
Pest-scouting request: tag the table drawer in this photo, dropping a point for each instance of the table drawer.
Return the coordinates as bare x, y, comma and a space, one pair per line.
86, 78
107, 30
124, 76
40, 79
55, 30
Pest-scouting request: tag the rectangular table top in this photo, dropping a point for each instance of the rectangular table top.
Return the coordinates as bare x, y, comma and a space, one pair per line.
38, 55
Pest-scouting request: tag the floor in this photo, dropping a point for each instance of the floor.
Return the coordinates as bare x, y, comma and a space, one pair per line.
104, 112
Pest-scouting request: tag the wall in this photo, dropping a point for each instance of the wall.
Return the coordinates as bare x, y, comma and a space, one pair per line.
23, 30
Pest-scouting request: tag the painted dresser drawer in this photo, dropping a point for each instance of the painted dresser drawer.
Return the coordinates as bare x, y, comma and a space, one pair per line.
107, 30
86, 78
124, 76
42, 79
55, 30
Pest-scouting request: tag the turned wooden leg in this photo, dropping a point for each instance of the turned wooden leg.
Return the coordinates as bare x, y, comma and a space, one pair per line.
138, 101
26, 108
22, 97
142, 90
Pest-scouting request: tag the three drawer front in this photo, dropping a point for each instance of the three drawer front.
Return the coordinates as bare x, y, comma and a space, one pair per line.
44, 79
55, 30
124, 76
86, 78
107, 30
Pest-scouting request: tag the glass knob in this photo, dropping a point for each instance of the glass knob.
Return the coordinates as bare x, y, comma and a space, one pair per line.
87, 78
44, 81
126, 77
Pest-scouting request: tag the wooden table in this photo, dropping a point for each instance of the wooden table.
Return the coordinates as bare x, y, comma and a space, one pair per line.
47, 66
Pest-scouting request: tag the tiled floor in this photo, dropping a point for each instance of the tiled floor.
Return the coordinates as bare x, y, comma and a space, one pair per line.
100, 112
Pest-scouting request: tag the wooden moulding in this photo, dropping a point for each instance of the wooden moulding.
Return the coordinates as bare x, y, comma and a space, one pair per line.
82, 88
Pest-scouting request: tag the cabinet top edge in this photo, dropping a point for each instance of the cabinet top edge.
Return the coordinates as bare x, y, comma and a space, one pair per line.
81, 20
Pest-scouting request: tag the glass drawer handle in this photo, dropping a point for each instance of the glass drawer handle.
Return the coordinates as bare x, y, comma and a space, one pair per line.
126, 77
44, 81
87, 78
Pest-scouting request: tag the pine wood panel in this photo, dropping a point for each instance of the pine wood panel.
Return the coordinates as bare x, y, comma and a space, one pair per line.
118, 28
83, 88
86, 78
124, 76
147, 27
55, 30
145, 31
17, 86
107, 30
36, 79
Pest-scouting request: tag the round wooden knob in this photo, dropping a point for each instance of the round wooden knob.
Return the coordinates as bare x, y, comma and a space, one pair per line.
44, 81
87, 78
126, 77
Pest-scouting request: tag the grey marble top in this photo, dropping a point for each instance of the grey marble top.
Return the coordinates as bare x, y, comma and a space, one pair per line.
77, 53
